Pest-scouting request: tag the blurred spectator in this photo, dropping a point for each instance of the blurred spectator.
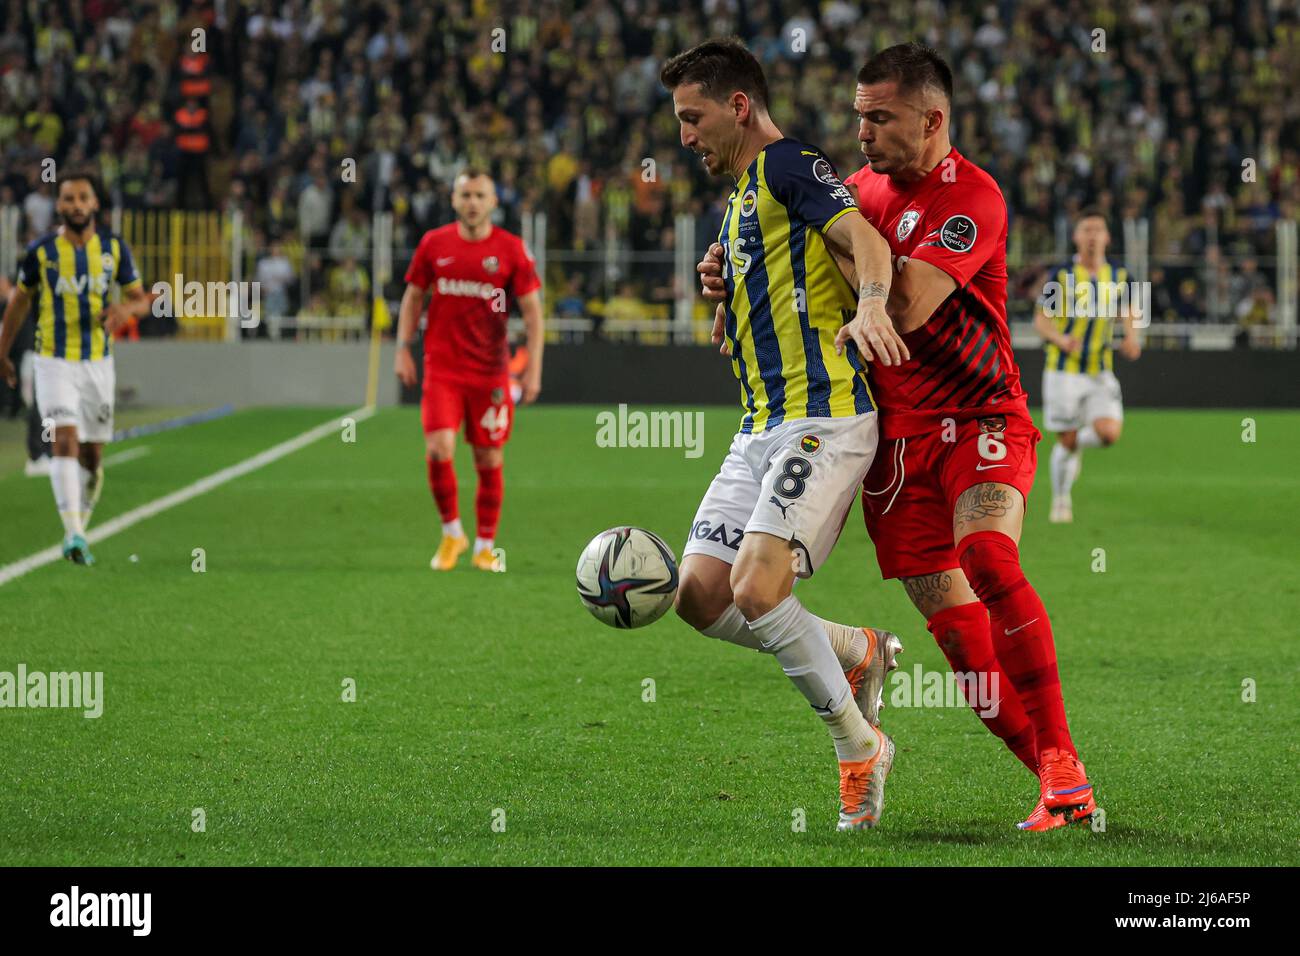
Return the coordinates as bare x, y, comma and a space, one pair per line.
348, 287
315, 209
624, 305
38, 207
350, 236
1245, 282
571, 304
1186, 121
276, 279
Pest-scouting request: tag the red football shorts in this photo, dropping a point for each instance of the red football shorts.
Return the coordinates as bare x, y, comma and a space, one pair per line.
487, 409
909, 493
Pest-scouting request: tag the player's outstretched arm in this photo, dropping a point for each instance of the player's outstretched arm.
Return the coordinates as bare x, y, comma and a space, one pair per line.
871, 329
530, 306
15, 313
408, 317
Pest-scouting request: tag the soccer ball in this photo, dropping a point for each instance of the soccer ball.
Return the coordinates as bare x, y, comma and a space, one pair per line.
627, 577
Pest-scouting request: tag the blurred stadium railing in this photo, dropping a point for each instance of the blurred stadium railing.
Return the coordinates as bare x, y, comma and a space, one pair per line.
349, 286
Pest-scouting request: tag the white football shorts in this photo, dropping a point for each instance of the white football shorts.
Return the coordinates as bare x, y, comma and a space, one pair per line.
77, 393
797, 480
1072, 400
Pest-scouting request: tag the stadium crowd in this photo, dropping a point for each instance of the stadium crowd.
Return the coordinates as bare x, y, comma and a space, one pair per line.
1177, 111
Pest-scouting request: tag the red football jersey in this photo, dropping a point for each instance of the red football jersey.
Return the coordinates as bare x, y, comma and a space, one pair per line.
472, 283
962, 365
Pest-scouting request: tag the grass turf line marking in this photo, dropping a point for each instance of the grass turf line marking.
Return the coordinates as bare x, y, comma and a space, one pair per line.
153, 428
124, 456
123, 521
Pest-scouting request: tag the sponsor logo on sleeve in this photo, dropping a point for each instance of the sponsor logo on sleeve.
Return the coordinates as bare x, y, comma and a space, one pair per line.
825, 172
958, 233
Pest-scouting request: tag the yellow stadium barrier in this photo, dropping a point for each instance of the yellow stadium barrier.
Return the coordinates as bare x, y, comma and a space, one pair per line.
171, 242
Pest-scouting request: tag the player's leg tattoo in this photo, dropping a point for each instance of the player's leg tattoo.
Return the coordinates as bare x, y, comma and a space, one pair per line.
929, 592
988, 506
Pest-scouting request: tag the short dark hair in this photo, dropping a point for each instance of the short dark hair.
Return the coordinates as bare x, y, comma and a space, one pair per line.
913, 66
721, 66
1091, 212
474, 172
84, 174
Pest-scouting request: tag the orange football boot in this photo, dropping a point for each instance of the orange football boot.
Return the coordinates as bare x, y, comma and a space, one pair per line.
867, 679
1041, 819
1065, 787
449, 552
485, 560
862, 787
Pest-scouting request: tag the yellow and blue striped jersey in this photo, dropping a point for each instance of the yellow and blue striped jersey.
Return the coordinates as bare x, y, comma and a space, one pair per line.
786, 297
73, 284
1090, 318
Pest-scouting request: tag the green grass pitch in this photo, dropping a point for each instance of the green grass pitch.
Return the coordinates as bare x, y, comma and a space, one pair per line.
490, 698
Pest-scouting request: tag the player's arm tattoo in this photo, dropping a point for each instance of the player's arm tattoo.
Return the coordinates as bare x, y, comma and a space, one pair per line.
927, 591
872, 290
989, 500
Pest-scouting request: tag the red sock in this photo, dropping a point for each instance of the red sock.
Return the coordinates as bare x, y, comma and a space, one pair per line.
442, 482
963, 635
491, 489
1022, 634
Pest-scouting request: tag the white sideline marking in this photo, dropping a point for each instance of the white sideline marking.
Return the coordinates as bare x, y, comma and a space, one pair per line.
122, 456
123, 521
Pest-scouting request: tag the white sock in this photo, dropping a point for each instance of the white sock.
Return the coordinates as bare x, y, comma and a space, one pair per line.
87, 497
848, 643
799, 643
854, 738
66, 482
483, 544
731, 626
452, 529
1088, 438
1072, 469
1064, 468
